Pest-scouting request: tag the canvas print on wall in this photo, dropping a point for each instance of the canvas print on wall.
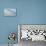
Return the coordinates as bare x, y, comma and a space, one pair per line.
9, 12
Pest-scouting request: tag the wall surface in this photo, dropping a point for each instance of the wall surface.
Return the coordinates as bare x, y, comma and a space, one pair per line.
28, 12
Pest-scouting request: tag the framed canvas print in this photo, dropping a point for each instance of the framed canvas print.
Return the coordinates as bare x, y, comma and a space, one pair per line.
9, 12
